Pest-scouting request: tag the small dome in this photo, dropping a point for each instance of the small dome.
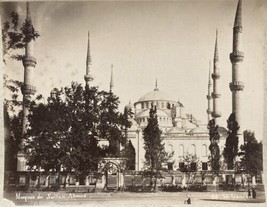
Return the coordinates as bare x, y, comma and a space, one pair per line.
176, 130
222, 131
155, 95
180, 104
129, 106
198, 130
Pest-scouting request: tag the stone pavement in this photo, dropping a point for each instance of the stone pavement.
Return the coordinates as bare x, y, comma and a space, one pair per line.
130, 199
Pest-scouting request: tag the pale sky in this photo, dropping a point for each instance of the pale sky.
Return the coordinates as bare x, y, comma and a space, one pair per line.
171, 41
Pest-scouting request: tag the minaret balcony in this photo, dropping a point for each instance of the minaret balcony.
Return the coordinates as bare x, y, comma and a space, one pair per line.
29, 61
236, 56
28, 89
216, 114
215, 75
237, 29
215, 95
236, 86
88, 78
209, 97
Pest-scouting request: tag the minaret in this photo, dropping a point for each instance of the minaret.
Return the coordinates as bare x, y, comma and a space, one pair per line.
236, 58
111, 86
27, 89
209, 94
215, 76
88, 77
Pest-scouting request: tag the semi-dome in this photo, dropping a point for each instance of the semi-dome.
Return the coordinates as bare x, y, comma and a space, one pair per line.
155, 95
176, 130
198, 130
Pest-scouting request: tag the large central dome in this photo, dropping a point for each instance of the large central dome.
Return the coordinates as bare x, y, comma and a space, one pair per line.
155, 95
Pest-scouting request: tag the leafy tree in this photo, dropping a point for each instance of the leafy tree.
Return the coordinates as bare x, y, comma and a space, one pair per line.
231, 144
112, 123
251, 154
66, 128
214, 148
69, 127
48, 126
15, 36
83, 107
155, 153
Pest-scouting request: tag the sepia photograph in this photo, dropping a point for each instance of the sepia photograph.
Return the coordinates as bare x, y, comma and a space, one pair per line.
133, 103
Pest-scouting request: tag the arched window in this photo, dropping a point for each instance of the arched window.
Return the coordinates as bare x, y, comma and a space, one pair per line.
193, 149
142, 105
204, 150
168, 105
147, 105
181, 150
169, 148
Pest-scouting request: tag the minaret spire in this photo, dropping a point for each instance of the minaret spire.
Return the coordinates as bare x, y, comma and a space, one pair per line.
27, 88
156, 85
111, 79
238, 15
216, 55
88, 76
236, 57
209, 94
215, 76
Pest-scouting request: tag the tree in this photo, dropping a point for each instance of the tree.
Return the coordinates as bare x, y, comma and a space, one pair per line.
191, 164
12, 123
112, 124
231, 144
70, 126
66, 128
251, 154
155, 153
15, 36
214, 148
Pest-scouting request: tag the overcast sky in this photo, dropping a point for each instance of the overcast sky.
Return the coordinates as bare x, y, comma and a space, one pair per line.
171, 41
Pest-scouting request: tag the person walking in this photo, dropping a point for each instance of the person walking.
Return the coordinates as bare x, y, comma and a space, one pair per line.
253, 192
188, 200
249, 192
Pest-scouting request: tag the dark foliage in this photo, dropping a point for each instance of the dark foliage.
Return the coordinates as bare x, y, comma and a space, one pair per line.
231, 144
15, 36
214, 148
251, 154
155, 153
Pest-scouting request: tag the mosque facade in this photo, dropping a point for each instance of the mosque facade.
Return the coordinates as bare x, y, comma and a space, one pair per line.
181, 132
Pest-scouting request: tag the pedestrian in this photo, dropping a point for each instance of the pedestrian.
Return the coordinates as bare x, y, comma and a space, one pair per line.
253, 192
249, 192
188, 200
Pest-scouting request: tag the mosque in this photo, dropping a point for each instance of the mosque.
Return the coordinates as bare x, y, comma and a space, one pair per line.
181, 131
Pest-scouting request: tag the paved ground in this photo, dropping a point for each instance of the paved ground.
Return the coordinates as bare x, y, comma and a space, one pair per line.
130, 199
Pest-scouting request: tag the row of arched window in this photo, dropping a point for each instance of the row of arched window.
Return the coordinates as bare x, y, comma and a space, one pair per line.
191, 149
160, 119
160, 105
